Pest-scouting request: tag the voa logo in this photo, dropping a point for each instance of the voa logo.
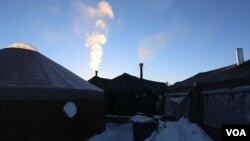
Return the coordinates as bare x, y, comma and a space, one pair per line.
236, 132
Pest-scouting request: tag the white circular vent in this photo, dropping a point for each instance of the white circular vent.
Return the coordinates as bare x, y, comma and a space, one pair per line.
70, 109
22, 46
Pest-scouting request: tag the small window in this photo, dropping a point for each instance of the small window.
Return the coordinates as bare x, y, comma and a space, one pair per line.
70, 109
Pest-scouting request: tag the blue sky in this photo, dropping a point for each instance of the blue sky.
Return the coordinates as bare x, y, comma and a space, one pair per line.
182, 37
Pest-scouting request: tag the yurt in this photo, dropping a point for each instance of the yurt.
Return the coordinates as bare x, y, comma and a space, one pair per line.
41, 100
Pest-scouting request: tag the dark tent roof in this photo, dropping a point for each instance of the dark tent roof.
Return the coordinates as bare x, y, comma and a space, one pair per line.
102, 83
158, 87
226, 77
128, 82
23, 68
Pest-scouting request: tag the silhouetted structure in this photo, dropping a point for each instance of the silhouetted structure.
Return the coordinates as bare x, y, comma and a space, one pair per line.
213, 98
127, 94
33, 93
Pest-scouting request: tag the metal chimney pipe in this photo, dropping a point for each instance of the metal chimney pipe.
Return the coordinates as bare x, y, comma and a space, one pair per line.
96, 73
239, 56
141, 70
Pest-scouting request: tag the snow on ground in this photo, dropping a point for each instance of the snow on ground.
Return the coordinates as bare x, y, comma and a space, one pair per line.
181, 130
115, 132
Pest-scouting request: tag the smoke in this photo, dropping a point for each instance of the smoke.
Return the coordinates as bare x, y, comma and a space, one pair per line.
97, 22
100, 24
149, 46
105, 9
95, 43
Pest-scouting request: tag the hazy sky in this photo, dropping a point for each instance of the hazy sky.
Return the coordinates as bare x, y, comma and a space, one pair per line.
175, 38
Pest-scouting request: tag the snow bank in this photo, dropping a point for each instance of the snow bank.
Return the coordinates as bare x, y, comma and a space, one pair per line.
115, 132
181, 130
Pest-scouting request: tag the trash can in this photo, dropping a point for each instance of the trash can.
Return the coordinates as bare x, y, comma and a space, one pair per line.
143, 130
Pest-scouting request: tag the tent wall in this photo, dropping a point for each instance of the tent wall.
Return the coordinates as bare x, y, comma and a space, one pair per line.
177, 105
129, 103
211, 109
230, 108
196, 109
127, 95
45, 119
223, 97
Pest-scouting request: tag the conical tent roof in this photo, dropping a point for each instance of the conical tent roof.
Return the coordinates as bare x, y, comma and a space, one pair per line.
27, 68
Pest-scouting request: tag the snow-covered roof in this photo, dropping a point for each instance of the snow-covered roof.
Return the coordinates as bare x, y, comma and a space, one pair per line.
22, 46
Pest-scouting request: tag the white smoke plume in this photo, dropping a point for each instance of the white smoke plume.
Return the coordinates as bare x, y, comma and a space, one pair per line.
150, 46
95, 42
105, 9
97, 37
100, 24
